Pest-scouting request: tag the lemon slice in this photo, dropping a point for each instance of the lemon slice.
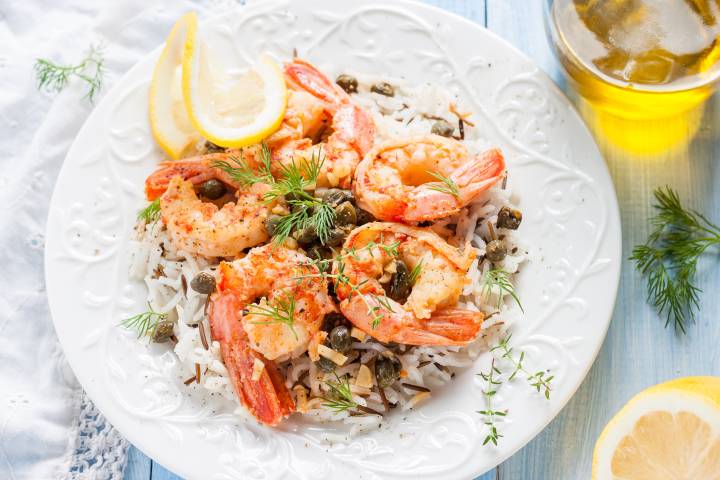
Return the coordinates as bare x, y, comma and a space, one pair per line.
169, 120
669, 431
233, 110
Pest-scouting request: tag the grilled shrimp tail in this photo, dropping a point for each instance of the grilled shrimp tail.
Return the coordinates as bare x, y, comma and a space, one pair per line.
479, 174
307, 77
267, 399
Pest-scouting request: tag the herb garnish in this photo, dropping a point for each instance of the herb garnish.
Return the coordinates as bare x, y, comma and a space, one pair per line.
495, 377
342, 398
669, 258
449, 186
293, 184
145, 323
415, 272
500, 279
282, 312
151, 213
52, 77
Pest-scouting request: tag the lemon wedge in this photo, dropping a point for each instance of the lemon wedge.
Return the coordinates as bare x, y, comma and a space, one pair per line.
669, 431
233, 110
169, 120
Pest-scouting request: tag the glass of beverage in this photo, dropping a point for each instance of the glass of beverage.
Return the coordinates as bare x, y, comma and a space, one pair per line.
644, 68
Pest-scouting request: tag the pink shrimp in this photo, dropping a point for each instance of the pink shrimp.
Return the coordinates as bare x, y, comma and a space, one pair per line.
428, 316
398, 181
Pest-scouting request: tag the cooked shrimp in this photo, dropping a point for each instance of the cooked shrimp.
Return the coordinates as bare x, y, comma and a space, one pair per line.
429, 315
395, 180
353, 130
248, 334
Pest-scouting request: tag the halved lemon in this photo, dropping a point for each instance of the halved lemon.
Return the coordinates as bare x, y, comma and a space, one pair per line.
233, 109
667, 432
169, 120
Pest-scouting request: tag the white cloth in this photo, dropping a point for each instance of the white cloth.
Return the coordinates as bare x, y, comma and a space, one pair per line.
48, 428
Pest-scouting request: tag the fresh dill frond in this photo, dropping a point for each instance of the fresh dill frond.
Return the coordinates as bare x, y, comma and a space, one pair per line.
151, 213
52, 77
499, 279
668, 259
145, 323
283, 311
240, 171
448, 184
415, 272
341, 396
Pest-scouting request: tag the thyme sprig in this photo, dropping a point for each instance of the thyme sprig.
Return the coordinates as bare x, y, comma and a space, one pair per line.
282, 311
145, 323
495, 377
492, 381
498, 279
446, 185
52, 77
668, 259
151, 213
539, 380
341, 395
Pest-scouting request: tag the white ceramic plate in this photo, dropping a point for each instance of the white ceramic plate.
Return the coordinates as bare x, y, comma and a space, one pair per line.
565, 192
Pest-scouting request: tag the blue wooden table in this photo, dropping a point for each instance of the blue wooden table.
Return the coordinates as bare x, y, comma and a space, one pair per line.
638, 351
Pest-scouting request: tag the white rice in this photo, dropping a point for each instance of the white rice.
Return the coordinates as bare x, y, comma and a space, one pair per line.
409, 112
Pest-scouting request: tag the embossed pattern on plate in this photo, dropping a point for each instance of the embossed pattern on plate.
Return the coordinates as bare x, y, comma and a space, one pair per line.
555, 169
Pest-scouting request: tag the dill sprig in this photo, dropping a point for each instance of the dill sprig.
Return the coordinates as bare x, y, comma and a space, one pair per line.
341, 396
492, 381
499, 279
447, 185
669, 257
293, 184
415, 272
151, 213
52, 77
539, 380
283, 311
145, 323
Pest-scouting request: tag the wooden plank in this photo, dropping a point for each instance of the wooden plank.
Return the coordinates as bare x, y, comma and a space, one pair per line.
138, 465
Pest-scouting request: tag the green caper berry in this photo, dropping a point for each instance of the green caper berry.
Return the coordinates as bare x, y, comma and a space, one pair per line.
509, 218
340, 339
271, 223
347, 83
383, 89
326, 365
307, 236
336, 196
345, 214
212, 189
399, 287
387, 370
363, 217
495, 251
163, 331
331, 320
442, 128
203, 283
335, 237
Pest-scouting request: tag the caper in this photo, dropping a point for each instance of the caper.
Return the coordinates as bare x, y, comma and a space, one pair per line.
509, 218
363, 216
332, 320
335, 237
495, 251
307, 236
163, 331
336, 196
340, 339
345, 214
325, 364
203, 283
399, 286
387, 370
383, 89
443, 128
271, 223
212, 189
347, 83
